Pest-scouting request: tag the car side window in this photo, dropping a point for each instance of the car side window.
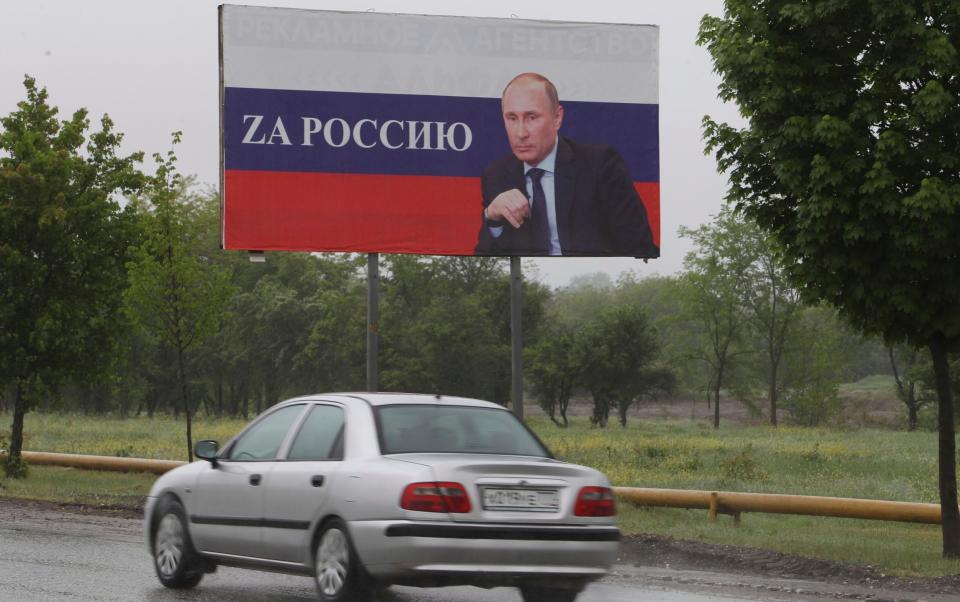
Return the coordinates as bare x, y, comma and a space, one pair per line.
321, 436
263, 440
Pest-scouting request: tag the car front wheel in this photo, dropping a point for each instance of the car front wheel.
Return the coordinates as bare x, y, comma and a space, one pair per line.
173, 555
338, 572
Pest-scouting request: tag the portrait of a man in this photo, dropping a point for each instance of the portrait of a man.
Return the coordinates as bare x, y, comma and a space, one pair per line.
555, 196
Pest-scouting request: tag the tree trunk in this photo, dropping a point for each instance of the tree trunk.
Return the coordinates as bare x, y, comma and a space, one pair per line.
553, 415
716, 408
601, 411
773, 393
905, 397
186, 403
16, 429
716, 398
949, 513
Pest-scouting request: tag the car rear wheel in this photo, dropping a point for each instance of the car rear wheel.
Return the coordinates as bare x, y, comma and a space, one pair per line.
338, 572
536, 592
173, 556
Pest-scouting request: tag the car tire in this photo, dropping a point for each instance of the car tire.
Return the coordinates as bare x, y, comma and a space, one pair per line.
337, 570
536, 592
174, 558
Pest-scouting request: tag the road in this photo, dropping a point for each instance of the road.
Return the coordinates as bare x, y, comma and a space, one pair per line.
48, 555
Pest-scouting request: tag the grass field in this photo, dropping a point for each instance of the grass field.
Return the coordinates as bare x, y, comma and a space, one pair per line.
874, 464
876, 385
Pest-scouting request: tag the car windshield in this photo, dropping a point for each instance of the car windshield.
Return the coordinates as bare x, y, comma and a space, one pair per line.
449, 429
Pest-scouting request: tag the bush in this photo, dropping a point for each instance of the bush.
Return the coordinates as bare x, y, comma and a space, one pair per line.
927, 418
15, 469
812, 405
743, 467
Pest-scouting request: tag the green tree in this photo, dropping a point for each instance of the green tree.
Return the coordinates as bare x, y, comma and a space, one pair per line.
551, 369
678, 333
616, 352
916, 379
907, 365
63, 249
773, 304
336, 352
175, 294
580, 301
815, 366
712, 291
296, 326
445, 325
850, 156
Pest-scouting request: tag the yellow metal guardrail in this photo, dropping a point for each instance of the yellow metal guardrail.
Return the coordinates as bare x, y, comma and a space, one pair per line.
722, 502
715, 502
100, 462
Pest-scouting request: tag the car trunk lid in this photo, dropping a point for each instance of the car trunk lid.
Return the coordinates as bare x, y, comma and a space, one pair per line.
511, 489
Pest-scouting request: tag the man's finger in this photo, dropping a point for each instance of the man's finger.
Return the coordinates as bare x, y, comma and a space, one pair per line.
514, 217
518, 208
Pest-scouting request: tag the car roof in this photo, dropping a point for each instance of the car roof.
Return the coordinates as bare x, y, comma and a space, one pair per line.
382, 399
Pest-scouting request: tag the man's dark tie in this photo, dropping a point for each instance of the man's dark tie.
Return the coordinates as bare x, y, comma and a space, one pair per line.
541, 227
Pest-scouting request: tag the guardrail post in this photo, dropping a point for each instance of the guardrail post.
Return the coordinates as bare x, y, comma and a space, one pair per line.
714, 507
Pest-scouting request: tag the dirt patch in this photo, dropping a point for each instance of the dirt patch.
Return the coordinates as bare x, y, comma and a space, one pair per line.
659, 551
12, 504
858, 411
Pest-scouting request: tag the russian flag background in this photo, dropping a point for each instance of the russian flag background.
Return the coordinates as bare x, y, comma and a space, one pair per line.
376, 179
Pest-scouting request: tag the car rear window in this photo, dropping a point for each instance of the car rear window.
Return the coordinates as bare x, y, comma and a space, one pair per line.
447, 429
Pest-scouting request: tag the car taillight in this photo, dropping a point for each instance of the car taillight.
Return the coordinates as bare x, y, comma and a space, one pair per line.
435, 497
595, 501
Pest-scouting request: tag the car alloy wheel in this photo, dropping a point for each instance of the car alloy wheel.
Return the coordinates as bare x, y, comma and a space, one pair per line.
176, 563
168, 549
333, 562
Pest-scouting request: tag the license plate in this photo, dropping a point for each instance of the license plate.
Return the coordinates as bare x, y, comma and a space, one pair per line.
521, 499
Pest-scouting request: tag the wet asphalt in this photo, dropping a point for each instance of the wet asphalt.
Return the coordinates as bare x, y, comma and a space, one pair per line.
51, 555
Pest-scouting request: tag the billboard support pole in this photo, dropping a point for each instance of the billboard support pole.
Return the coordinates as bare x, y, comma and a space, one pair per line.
516, 336
373, 319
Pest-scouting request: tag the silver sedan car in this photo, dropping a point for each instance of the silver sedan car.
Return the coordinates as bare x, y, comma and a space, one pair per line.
362, 491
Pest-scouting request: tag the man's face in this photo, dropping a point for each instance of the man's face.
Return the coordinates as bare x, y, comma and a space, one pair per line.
530, 121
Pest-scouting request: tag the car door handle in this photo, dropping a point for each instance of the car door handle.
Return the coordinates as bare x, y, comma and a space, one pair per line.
255, 479
317, 480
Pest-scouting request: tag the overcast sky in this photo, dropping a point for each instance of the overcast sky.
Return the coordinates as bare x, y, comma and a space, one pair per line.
152, 66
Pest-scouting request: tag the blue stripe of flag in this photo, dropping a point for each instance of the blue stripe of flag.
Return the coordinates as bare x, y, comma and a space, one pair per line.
631, 128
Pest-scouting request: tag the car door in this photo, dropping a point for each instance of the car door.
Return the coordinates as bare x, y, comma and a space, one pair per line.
228, 515
300, 484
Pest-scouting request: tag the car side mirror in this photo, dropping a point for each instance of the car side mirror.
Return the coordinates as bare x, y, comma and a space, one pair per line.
207, 450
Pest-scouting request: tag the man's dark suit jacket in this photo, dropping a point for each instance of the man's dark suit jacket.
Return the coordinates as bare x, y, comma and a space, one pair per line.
598, 209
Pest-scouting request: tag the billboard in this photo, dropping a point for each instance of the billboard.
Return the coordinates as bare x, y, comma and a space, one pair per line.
370, 132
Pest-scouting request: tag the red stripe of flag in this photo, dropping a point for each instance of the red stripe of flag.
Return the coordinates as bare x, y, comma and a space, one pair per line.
296, 211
